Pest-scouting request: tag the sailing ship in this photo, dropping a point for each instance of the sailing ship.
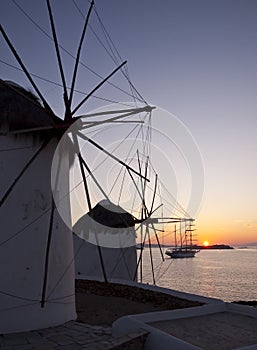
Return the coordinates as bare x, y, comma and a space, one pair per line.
185, 247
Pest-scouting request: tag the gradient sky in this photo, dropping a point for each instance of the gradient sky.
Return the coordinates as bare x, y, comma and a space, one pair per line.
196, 59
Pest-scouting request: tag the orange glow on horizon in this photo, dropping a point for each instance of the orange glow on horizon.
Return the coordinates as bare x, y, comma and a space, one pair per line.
206, 243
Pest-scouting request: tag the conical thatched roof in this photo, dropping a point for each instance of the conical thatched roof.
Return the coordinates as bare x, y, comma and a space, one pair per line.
111, 215
20, 109
107, 214
114, 227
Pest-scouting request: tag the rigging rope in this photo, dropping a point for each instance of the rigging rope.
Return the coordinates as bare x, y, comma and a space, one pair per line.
109, 40
60, 85
67, 52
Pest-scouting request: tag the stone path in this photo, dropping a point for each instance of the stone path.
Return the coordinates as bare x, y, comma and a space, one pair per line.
70, 336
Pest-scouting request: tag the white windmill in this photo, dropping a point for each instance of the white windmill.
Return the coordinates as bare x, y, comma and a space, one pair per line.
36, 242
36, 257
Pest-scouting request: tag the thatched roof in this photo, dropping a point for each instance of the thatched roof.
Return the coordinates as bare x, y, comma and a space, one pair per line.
20, 109
111, 215
106, 214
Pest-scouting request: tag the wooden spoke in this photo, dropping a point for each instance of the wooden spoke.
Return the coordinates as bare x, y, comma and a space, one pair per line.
78, 53
65, 95
17, 57
97, 87
109, 154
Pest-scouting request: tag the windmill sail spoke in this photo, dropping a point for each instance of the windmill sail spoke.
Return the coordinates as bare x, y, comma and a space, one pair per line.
17, 57
109, 154
98, 87
77, 151
151, 254
11, 187
159, 206
147, 108
141, 255
65, 95
140, 171
86, 125
154, 194
144, 189
93, 177
134, 182
157, 240
83, 163
78, 53
109, 120
47, 256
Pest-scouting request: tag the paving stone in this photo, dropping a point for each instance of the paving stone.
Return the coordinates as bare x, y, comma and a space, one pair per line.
84, 342
44, 342
20, 335
71, 347
61, 339
36, 340
12, 335
14, 341
84, 337
70, 336
72, 332
44, 346
24, 347
78, 326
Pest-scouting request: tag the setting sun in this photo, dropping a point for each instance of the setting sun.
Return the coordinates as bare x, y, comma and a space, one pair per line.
206, 243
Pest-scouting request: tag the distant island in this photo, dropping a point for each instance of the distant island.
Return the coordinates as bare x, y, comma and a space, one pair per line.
214, 246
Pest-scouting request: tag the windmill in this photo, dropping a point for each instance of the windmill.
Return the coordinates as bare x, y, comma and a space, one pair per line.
37, 260
37, 256
152, 221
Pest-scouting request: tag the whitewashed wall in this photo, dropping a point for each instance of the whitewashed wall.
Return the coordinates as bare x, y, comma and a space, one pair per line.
119, 263
24, 219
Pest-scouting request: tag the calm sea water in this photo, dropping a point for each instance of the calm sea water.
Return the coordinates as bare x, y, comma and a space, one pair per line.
229, 275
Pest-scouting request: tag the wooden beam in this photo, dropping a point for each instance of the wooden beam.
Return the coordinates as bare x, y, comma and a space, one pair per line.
110, 154
78, 53
97, 87
17, 57
65, 95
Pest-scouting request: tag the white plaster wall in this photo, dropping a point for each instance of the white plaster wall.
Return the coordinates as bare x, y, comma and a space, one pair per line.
120, 263
24, 219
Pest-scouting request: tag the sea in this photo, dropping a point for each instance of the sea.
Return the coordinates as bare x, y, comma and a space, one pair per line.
229, 275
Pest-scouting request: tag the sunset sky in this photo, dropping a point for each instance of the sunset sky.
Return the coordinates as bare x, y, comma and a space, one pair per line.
196, 59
